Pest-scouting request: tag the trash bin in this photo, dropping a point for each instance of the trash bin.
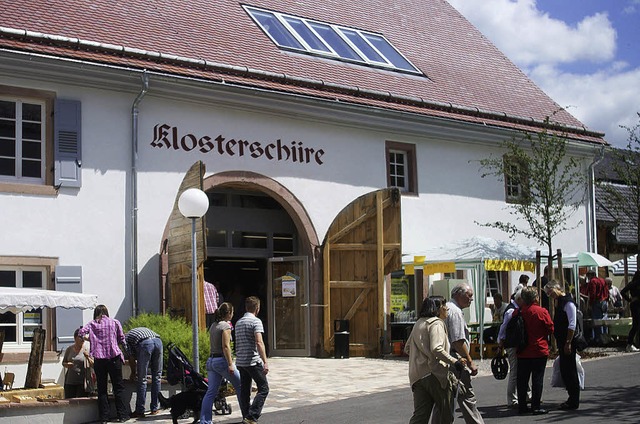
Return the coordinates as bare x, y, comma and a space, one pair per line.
341, 338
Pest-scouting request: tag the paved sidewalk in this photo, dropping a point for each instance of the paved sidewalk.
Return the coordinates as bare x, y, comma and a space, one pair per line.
296, 382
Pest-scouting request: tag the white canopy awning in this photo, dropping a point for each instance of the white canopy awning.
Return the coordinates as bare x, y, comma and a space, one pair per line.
477, 249
22, 299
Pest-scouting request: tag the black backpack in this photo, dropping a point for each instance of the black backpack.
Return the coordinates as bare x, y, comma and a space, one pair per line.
516, 333
579, 341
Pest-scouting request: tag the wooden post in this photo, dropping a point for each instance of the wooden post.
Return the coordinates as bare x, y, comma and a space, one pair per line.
380, 267
561, 276
538, 259
1, 343
34, 370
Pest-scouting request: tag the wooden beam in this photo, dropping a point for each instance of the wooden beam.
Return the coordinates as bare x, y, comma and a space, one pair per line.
34, 369
364, 246
380, 262
380, 206
367, 215
352, 284
388, 256
326, 290
356, 304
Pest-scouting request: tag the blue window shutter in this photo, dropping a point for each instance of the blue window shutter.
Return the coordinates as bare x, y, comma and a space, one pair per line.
69, 279
67, 146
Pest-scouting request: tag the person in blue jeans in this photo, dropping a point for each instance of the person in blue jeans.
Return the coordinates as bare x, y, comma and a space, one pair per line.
145, 351
252, 361
220, 364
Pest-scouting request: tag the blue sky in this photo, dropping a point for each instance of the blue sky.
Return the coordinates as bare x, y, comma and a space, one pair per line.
585, 54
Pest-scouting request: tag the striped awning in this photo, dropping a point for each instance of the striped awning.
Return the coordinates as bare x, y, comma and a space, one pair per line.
618, 266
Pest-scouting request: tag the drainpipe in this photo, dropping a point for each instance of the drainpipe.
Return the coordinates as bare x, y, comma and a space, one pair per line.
591, 210
134, 192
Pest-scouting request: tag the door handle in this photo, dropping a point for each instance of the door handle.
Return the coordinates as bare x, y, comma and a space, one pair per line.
316, 305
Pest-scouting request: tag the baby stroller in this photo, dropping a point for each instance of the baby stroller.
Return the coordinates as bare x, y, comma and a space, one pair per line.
180, 370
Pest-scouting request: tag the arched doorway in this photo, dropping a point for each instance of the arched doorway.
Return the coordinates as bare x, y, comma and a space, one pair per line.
256, 233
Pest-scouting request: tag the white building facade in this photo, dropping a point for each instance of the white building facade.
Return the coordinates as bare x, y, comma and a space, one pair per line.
100, 210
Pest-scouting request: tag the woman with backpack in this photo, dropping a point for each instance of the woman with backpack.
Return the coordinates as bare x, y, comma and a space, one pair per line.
631, 292
565, 324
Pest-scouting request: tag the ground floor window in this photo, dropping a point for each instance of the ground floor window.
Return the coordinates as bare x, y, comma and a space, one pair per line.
18, 328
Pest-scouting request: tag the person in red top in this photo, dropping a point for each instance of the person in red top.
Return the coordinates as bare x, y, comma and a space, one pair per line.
598, 298
532, 360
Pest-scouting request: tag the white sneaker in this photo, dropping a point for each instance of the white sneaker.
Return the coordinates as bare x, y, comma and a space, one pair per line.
632, 348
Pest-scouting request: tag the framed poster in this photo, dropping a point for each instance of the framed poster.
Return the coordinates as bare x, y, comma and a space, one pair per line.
289, 286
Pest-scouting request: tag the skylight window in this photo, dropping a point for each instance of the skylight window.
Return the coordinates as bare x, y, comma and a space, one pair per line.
333, 41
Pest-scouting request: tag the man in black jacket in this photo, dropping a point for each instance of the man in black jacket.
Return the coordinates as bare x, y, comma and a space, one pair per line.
631, 292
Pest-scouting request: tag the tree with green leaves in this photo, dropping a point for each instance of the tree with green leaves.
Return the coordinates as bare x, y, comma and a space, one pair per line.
545, 186
621, 191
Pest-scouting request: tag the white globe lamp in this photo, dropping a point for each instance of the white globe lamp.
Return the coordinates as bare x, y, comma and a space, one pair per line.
193, 204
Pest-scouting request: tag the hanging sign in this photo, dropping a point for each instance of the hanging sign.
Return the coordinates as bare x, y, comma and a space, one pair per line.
289, 284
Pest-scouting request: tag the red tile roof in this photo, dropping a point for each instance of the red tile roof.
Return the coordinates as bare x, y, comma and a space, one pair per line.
467, 78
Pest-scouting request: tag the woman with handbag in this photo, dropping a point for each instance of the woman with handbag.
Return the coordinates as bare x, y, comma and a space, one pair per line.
429, 363
565, 324
77, 361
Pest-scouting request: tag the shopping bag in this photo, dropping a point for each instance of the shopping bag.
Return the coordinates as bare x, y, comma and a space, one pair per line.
90, 380
580, 372
556, 377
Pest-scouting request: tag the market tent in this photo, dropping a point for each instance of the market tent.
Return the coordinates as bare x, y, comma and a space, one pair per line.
617, 267
17, 300
480, 248
478, 255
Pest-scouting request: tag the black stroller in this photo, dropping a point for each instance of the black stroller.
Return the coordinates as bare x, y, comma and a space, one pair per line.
180, 370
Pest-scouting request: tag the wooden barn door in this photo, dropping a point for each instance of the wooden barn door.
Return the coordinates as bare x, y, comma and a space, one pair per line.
362, 246
179, 253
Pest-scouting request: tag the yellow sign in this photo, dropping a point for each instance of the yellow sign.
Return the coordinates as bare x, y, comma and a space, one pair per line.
399, 294
509, 265
439, 267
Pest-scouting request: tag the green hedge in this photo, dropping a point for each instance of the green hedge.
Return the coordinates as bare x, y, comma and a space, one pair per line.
173, 330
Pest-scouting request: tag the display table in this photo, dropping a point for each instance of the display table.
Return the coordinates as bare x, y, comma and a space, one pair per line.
31, 395
618, 327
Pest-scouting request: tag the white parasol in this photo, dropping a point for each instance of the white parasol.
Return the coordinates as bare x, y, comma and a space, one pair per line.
618, 266
590, 259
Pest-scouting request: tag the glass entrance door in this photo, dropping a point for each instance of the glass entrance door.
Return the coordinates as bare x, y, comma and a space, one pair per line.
289, 306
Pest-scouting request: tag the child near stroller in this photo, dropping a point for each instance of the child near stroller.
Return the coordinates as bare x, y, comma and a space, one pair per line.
194, 386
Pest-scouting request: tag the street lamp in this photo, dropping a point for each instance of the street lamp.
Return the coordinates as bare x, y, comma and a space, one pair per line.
193, 203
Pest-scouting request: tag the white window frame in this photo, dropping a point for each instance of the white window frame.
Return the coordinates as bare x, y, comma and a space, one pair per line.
340, 32
409, 163
18, 175
512, 186
20, 343
514, 180
395, 164
34, 186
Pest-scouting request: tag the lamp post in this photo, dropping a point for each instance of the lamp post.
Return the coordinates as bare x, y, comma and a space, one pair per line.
193, 203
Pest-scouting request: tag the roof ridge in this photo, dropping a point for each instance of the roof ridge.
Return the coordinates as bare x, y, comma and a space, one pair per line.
27, 35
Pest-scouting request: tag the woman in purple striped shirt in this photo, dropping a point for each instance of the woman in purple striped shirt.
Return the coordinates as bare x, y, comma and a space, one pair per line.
104, 335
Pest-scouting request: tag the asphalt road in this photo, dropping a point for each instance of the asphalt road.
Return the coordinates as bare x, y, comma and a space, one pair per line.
611, 395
